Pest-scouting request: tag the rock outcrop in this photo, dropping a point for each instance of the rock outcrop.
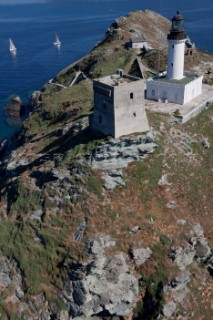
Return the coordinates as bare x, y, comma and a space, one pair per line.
196, 249
113, 156
15, 108
103, 286
141, 255
10, 275
175, 292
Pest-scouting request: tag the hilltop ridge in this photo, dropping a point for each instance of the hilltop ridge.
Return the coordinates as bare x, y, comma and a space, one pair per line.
102, 228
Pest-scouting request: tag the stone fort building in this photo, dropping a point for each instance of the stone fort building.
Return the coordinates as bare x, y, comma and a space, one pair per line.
119, 105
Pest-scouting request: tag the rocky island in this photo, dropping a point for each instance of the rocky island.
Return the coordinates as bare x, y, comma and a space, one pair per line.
94, 227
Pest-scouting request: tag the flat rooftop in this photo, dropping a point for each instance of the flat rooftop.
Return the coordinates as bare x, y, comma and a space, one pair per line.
138, 39
116, 79
187, 79
186, 111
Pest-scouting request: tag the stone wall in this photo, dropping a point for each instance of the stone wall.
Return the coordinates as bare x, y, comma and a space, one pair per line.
119, 108
193, 89
157, 90
139, 45
174, 92
130, 114
175, 67
103, 116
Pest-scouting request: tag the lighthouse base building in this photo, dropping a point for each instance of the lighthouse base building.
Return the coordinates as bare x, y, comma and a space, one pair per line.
180, 91
176, 86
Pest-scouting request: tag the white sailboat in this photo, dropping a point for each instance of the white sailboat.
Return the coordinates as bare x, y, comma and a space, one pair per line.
12, 46
57, 41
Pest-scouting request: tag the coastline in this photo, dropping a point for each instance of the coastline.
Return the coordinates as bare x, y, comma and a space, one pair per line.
42, 51
76, 64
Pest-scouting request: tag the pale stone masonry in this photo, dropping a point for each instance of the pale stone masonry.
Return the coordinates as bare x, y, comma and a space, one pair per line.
119, 105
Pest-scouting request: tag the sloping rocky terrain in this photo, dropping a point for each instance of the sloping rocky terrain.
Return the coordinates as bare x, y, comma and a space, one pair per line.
102, 228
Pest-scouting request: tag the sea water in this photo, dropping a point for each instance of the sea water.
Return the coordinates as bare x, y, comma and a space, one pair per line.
80, 24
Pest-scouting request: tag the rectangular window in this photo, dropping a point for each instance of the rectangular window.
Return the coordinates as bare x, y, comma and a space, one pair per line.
131, 95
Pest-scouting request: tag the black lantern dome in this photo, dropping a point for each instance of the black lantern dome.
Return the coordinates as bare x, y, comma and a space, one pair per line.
177, 32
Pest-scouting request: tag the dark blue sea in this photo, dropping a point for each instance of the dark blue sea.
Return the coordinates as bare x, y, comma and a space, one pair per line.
80, 24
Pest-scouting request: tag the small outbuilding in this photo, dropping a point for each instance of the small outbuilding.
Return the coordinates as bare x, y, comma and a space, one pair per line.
138, 43
190, 48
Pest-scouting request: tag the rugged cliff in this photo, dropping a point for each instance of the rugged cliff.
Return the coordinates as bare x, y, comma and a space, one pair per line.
102, 228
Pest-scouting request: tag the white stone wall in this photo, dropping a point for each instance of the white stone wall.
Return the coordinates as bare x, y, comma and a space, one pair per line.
139, 45
175, 93
193, 89
163, 91
176, 52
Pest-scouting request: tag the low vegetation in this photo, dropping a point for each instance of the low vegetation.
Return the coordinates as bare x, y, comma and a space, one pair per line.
18, 241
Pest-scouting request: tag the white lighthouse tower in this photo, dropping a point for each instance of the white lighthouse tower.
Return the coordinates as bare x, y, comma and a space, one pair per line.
176, 86
176, 51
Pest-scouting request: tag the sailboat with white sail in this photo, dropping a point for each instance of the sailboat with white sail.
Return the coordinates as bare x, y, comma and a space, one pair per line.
12, 46
57, 41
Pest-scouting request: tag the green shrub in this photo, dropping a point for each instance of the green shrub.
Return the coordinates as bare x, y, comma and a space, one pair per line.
94, 185
164, 239
177, 112
55, 300
23, 200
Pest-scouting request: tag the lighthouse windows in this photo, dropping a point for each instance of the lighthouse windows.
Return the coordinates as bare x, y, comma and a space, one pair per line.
173, 46
172, 64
